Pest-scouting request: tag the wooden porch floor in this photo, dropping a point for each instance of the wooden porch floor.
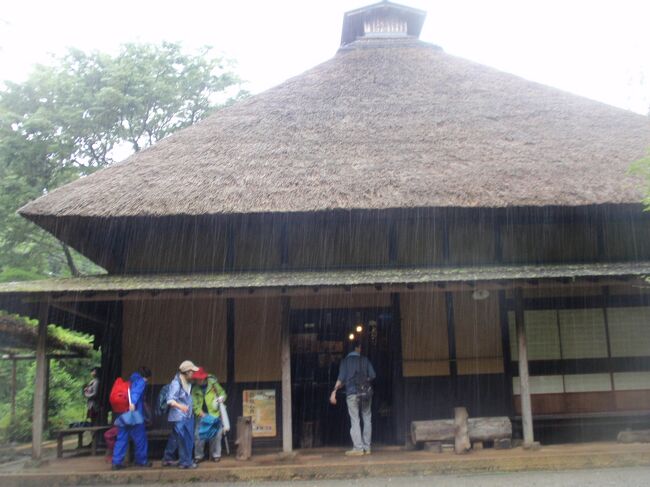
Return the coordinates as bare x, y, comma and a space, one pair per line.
332, 464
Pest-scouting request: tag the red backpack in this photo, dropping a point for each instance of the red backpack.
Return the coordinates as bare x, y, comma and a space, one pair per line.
119, 397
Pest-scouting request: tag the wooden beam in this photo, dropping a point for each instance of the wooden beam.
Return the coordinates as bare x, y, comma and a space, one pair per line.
74, 311
287, 432
55, 356
39, 409
526, 409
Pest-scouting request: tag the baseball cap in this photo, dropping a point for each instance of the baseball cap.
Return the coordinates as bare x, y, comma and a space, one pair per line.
187, 365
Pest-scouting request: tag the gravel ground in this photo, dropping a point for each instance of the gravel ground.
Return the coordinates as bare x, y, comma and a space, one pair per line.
614, 477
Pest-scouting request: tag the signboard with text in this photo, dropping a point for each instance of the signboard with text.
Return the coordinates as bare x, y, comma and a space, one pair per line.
260, 405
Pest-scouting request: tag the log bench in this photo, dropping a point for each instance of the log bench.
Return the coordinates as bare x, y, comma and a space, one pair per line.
95, 431
495, 429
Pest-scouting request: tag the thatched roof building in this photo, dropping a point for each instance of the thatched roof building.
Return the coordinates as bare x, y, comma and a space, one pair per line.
386, 123
443, 204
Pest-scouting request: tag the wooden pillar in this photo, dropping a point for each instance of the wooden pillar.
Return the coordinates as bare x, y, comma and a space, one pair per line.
287, 432
509, 405
526, 409
13, 396
395, 351
230, 342
46, 419
39, 383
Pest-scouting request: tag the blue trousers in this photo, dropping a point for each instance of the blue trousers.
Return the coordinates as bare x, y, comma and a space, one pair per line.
182, 437
138, 434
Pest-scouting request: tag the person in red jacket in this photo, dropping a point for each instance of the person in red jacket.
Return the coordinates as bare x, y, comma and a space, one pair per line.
137, 433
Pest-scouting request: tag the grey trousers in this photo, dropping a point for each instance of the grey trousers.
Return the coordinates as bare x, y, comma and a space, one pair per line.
199, 444
359, 440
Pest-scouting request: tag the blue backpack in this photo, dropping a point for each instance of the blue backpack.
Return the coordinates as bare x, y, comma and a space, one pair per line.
161, 406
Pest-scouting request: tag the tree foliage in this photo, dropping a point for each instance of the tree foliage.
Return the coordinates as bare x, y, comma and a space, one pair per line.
66, 403
84, 112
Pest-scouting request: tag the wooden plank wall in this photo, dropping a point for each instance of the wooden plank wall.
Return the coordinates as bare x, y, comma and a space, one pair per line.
258, 323
425, 350
322, 242
478, 334
162, 333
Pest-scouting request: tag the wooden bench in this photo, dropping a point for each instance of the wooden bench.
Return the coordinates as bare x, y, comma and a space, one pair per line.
478, 430
95, 431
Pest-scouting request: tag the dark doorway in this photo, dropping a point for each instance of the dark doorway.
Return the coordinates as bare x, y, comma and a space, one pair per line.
320, 339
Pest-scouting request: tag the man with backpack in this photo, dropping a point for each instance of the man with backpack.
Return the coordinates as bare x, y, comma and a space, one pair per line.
133, 407
181, 416
356, 374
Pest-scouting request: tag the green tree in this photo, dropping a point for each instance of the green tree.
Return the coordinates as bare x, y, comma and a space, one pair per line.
66, 403
84, 112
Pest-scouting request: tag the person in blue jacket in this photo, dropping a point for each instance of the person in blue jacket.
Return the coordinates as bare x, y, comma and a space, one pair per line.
181, 415
137, 433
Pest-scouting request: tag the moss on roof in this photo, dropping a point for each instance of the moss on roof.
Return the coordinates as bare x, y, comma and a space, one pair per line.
232, 280
20, 333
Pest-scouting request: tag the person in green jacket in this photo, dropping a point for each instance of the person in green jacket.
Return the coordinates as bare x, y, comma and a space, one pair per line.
207, 394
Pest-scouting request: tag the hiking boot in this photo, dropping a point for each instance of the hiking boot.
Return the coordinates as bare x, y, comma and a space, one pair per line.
354, 453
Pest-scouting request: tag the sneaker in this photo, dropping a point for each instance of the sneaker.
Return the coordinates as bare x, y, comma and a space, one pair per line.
184, 467
118, 466
216, 459
354, 453
198, 460
367, 451
146, 465
169, 463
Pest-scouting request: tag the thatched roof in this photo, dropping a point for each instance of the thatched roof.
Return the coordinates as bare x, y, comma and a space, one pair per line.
17, 334
386, 123
306, 279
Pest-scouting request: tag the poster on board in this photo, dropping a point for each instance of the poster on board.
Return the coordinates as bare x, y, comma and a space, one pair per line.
260, 405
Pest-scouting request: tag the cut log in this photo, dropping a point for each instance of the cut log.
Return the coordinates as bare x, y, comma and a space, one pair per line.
489, 429
461, 431
480, 429
638, 436
244, 440
435, 430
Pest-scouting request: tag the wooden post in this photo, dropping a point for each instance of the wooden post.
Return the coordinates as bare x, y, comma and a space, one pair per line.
244, 440
287, 433
526, 409
46, 419
461, 431
39, 385
13, 396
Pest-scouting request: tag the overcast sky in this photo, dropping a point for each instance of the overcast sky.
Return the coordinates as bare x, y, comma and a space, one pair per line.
599, 48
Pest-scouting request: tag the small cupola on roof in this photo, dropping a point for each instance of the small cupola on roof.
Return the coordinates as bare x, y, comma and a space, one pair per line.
385, 19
